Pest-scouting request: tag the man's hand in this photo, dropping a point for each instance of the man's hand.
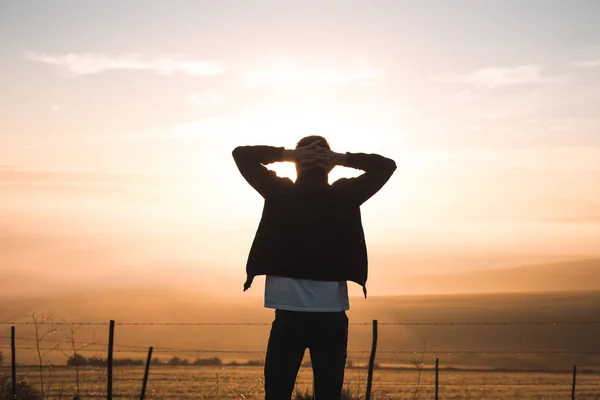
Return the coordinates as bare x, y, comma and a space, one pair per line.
314, 156
323, 158
338, 158
310, 156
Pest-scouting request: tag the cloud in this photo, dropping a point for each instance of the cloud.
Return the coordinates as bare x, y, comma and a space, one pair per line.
586, 64
560, 128
400, 109
211, 129
97, 63
496, 77
285, 73
561, 159
204, 99
475, 128
465, 95
33, 145
53, 107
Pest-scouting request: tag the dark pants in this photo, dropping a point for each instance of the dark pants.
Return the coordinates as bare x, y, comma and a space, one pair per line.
325, 334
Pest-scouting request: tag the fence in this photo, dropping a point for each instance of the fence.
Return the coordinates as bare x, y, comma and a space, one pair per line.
43, 344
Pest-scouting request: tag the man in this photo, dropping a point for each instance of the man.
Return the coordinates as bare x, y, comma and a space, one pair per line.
309, 243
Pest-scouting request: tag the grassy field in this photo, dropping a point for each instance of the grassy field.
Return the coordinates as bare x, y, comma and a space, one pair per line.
243, 382
546, 349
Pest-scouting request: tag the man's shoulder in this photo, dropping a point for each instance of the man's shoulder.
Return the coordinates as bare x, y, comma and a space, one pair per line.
284, 185
341, 183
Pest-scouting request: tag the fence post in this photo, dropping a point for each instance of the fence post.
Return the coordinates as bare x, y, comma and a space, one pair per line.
574, 381
109, 360
437, 380
371, 362
146, 371
13, 362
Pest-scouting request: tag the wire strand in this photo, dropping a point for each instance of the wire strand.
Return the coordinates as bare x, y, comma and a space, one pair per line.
400, 323
222, 351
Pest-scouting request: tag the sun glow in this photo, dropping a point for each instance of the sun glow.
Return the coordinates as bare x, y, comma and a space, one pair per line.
283, 125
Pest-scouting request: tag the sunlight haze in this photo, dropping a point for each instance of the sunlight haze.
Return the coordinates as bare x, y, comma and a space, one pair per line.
118, 119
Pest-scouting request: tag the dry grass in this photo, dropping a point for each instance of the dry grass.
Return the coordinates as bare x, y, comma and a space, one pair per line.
242, 382
346, 395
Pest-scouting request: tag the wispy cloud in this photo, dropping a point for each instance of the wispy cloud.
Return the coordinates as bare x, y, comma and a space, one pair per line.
564, 159
205, 129
560, 128
97, 63
285, 73
475, 128
496, 77
586, 64
53, 107
204, 99
465, 95
33, 145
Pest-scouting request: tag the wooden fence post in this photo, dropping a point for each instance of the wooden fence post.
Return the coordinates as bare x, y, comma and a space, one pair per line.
13, 362
146, 371
371, 362
574, 381
109, 360
437, 378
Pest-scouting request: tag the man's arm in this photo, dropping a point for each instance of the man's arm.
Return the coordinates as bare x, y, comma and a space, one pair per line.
378, 170
251, 161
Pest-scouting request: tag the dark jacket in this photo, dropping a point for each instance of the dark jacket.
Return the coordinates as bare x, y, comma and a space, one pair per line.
310, 231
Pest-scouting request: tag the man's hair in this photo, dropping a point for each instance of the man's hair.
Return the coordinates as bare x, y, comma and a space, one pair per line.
305, 141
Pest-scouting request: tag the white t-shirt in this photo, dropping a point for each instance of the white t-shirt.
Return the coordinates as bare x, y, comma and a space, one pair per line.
306, 295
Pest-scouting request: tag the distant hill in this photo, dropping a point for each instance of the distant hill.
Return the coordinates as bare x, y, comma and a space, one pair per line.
581, 275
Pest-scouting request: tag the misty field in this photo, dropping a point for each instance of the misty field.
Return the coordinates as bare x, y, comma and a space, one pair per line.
244, 382
568, 337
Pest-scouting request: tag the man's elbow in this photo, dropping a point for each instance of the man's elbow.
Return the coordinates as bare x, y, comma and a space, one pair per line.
238, 152
390, 165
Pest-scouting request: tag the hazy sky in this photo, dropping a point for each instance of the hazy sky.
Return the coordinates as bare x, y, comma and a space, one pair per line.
489, 108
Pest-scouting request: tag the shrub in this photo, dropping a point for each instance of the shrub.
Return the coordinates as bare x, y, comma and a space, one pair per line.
178, 361
77, 360
346, 395
208, 361
24, 390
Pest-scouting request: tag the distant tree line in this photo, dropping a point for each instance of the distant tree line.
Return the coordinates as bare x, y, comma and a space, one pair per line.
349, 364
78, 360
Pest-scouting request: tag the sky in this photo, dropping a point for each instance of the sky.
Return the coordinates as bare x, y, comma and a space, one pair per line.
117, 122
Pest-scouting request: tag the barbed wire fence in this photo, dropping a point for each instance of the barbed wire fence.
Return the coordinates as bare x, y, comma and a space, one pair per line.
103, 367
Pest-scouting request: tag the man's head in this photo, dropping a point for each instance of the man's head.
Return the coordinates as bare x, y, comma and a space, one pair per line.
305, 141
321, 142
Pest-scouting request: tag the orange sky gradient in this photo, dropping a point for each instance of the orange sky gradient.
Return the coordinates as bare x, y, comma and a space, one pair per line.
116, 132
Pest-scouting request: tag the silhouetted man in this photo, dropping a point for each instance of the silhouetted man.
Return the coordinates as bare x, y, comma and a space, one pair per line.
309, 243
